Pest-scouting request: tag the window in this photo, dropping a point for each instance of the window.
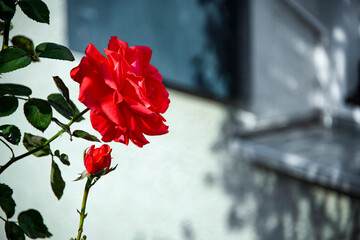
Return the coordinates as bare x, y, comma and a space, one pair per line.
198, 45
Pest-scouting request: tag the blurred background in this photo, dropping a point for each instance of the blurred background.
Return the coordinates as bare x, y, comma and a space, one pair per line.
264, 138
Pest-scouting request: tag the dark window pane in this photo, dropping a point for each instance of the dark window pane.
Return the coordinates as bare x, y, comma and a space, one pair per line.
194, 43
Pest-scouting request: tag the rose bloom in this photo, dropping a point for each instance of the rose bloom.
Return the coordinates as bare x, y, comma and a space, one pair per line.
96, 159
124, 92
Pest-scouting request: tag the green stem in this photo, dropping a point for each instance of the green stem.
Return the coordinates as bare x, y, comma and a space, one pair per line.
83, 206
6, 35
8, 146
22, 98
14, 159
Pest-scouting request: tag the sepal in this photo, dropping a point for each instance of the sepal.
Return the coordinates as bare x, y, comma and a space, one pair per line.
83, 175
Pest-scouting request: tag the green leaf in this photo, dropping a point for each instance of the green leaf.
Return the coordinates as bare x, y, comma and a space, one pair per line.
8, 105
57, 153
82, 175
112, 169
56, 180
85, 135
31, 222
31, 142
11, 133
63, 126
54, 51
38, 112
14, 89
58, 102
7, 203
36, 10
62, 88
13, 231
7, 9
63, 157
13, 58
24, 43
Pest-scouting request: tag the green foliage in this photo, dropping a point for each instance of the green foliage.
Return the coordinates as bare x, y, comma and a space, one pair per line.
31, 222
7, 10
85, 135
58, 102
22, 53
32, 142
14, 89
25, 44
63, 157
8, 105
13, 231
63, 126
62, 88
7, 203
56, 180
38, 112
54, 51
13, 58
11, 133
36, 10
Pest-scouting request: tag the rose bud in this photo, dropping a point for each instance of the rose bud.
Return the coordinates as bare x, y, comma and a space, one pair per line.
96, 159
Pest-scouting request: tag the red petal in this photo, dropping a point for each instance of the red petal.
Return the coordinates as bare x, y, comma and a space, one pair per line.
104, 126
94, 56
113, 111
117, 45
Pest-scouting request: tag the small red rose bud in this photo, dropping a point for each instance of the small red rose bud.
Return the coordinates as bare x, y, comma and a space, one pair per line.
96, 159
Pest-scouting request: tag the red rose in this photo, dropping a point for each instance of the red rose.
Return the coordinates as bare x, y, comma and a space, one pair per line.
96, 159
124, 92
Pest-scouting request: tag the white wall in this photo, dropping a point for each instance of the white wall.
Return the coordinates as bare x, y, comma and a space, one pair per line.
307, 58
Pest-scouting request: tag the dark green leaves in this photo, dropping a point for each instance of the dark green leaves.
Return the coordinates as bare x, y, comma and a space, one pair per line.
32, 224
61, 102
7, 10
36, 10
32, 142
25, 44
62, 88
11, 133
58, 102
54, 51
22, 53
63, 157
13, 58
7, 203
13, 231
14, 89
56, 180
63, 126
8, 105
38, 112
85, 135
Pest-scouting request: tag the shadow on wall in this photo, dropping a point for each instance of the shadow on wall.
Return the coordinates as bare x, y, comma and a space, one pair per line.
271, 205
275, 206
